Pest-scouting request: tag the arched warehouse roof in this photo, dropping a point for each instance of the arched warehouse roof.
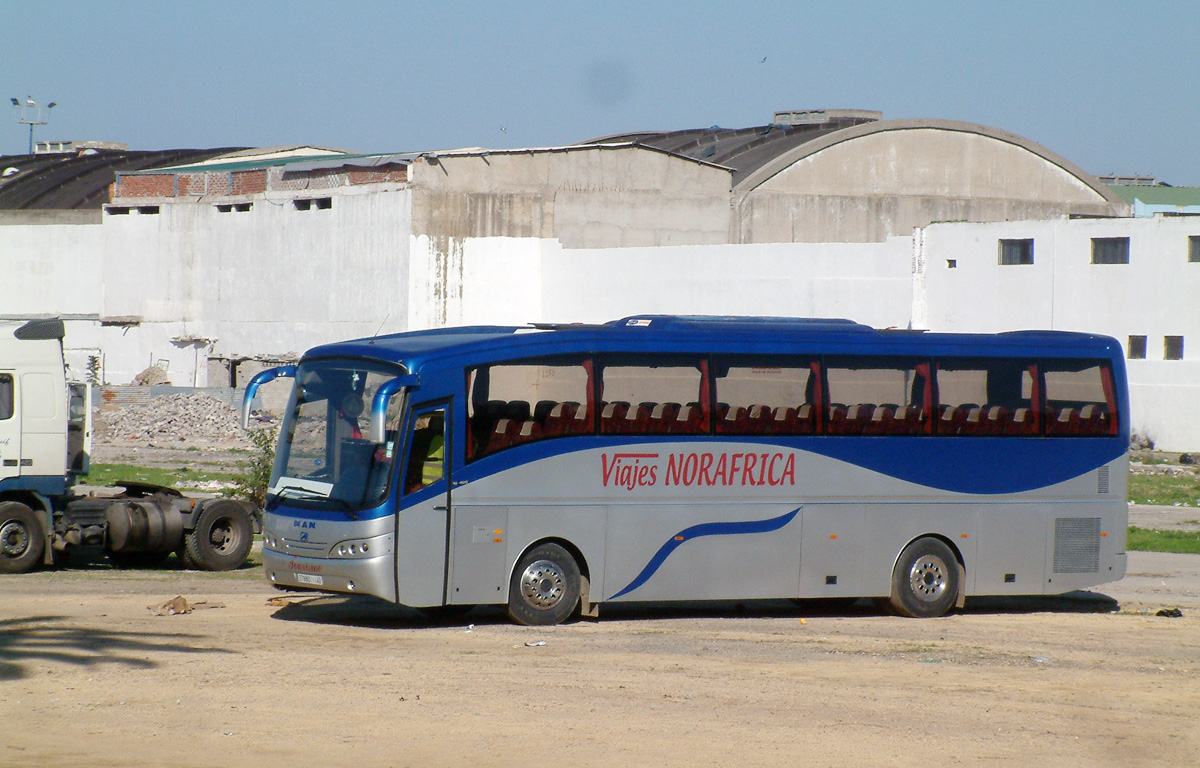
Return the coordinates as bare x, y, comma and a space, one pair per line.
857, 179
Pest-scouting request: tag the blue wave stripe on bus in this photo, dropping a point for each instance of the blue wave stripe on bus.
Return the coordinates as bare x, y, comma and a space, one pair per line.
698, 531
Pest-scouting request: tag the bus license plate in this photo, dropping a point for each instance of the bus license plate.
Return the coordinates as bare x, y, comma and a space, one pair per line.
308, 578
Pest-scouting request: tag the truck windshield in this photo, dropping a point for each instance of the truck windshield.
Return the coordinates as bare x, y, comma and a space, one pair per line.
326, 457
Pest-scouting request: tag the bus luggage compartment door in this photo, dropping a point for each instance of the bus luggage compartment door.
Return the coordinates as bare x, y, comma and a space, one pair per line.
477, 555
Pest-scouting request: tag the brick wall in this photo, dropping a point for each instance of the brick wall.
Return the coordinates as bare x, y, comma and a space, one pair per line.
157, 185
249, 182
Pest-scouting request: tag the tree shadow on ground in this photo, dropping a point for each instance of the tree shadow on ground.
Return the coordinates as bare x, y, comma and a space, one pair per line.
26, 640
372, 612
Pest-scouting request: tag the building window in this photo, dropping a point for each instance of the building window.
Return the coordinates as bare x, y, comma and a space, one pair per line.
1110, 250
1137, 347
951, 263
1194, 248
1013, 252
306, 204
1172, 347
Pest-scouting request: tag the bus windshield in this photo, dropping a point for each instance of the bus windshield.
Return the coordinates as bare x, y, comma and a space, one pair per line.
329, 457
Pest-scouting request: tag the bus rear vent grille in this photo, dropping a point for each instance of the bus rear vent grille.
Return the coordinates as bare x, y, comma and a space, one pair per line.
1102, 480
1076, 545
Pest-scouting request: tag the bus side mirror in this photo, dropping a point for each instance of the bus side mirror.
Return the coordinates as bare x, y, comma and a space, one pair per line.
286, 371
379, 404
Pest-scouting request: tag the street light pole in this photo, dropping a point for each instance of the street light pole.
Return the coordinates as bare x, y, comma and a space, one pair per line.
31, 113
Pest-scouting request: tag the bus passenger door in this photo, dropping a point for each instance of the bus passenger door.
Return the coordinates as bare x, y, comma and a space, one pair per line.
422, 525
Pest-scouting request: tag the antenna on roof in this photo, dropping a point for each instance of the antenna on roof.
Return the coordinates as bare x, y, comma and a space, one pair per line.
380, 328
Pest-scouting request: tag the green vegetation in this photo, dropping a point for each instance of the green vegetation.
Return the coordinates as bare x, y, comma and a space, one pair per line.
1166, 490
1142, 539
255, 475
181, 478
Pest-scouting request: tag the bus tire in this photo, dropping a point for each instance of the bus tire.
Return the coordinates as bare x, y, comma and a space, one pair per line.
925, 580
22, 540
545, 585
221, 539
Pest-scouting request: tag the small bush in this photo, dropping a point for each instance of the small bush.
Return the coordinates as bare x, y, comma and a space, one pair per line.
255, 475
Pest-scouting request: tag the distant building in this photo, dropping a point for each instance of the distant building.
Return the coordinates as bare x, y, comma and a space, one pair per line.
216, 265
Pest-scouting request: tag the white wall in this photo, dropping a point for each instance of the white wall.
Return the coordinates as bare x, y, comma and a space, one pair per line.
1155, 295
513, 281
272, 281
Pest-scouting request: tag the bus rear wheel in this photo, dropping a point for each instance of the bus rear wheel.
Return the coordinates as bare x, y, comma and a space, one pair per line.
925, 580
545, 585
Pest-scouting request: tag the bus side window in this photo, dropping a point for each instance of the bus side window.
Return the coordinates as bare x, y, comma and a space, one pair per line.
1080, 400
427, 451
878, 396
765, 395
987, 398
522, 401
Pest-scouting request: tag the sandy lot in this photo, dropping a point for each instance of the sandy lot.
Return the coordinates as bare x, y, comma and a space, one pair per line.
90, 676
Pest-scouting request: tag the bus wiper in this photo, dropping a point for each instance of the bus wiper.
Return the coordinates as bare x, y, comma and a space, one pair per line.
345, 505
292, 491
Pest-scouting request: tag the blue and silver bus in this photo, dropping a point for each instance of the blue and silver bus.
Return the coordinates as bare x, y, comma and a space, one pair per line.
553, 468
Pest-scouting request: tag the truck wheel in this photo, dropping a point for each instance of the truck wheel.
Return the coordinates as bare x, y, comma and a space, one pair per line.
221, 539
925, 581
545, 587
22, 540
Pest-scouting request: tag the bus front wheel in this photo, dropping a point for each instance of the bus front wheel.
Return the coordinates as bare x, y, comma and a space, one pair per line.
545, 586
925, 580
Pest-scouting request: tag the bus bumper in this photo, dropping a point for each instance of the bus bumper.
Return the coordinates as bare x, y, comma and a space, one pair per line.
366, 576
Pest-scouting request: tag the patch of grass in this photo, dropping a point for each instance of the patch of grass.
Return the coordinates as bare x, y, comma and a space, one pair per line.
181, 478
1147, 540
1165, 490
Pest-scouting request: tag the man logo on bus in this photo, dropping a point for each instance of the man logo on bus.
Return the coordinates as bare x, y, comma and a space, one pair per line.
634, 470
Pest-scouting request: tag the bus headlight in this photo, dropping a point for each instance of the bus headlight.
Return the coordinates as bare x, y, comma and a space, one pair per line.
361, 548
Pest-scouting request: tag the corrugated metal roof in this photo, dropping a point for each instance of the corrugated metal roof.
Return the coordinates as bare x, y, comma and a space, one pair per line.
744, 150
1158, 195
67, 182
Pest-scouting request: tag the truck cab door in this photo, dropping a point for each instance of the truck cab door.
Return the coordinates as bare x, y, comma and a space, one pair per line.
10, 427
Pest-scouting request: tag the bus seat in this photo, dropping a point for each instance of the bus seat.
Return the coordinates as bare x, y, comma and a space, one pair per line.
559, 418
838, 416
688, 421
542, 410
527, 431
518, 410
612, 417
662, 417
1063, 422
883, 420
759, 420
1093, 420
973, 424
502, 435
806, 419
1022, 422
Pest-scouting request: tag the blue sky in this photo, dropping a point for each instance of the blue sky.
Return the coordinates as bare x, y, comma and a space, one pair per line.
1112, 86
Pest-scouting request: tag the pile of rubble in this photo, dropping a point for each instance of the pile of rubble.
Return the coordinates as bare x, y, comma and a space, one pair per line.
191, 418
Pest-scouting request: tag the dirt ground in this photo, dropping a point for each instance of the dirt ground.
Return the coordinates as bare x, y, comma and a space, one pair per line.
90, 676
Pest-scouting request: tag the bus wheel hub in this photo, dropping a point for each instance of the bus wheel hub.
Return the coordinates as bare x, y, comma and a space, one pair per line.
542, 584
928, 578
